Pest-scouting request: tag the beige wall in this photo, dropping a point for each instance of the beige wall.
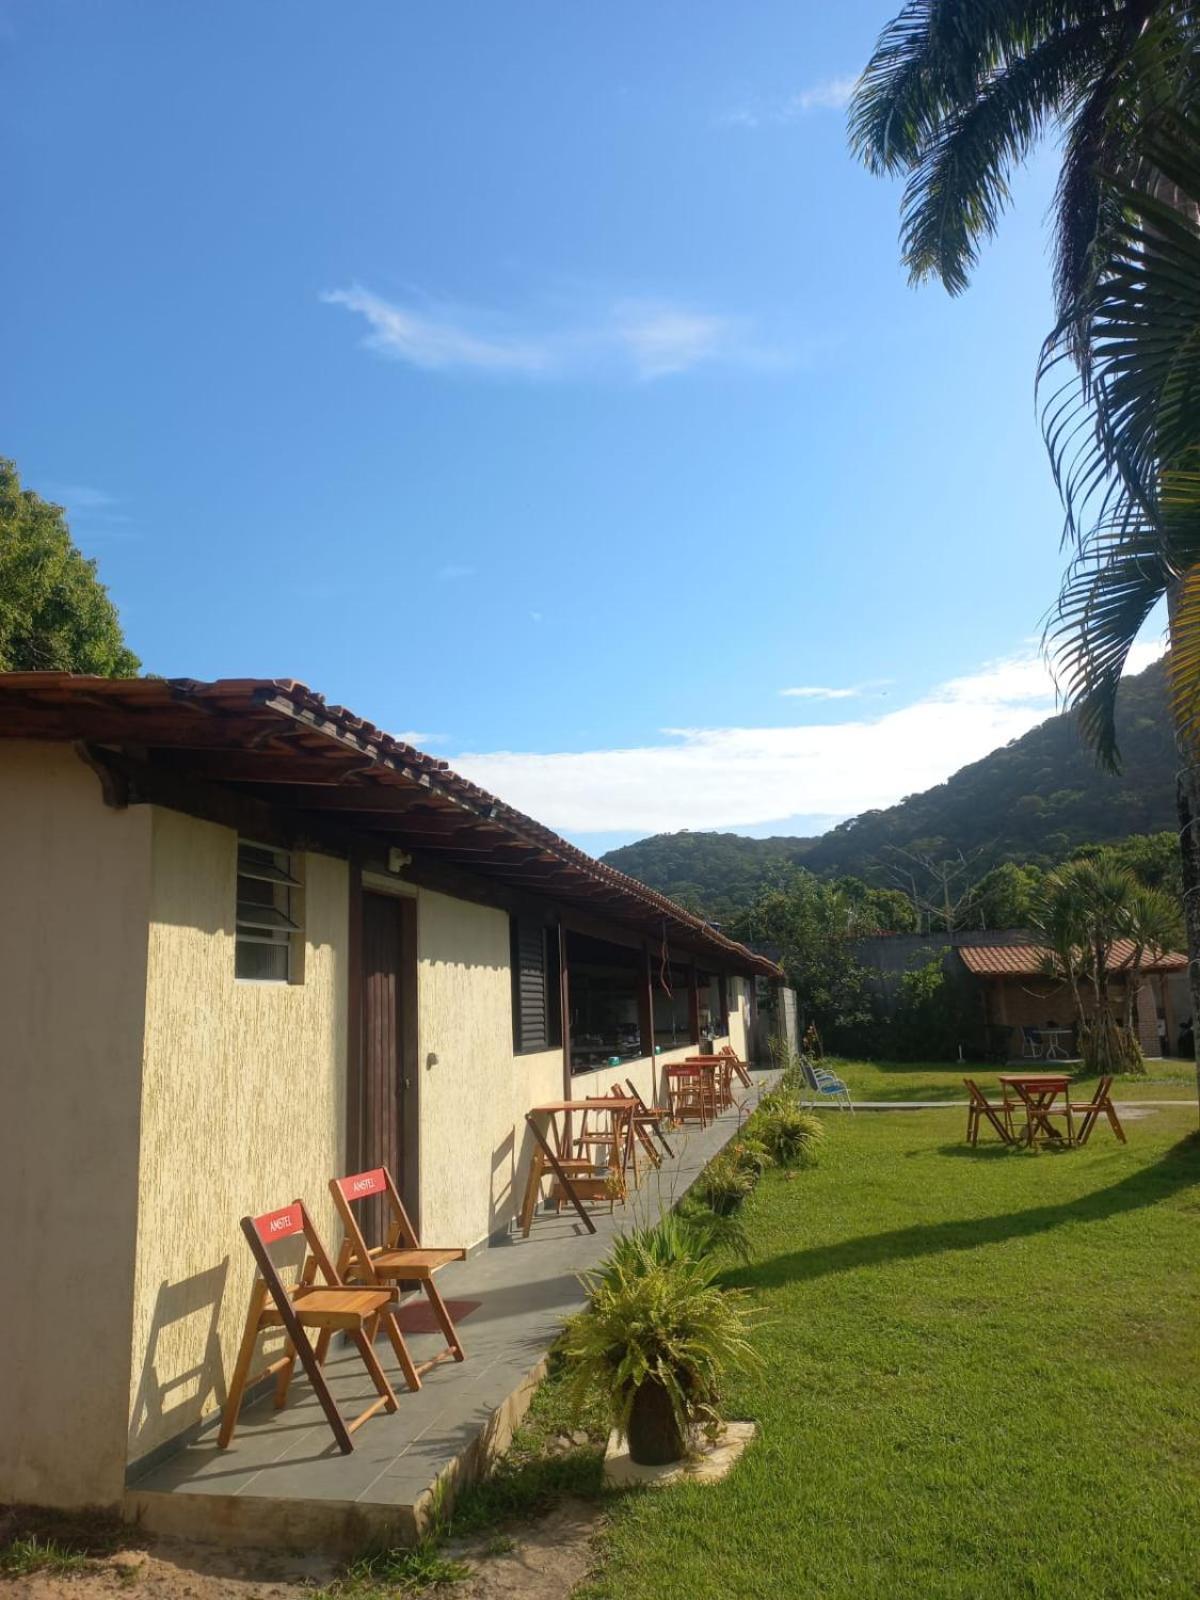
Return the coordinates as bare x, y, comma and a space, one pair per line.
75, 879
474, 1146
243, 1109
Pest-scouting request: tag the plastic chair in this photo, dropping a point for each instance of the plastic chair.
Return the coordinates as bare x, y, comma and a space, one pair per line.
826, 1084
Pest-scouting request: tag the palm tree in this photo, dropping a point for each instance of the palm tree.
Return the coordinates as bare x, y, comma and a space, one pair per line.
1088, 907
1152, 923
1125, 444
958, 92
955, 96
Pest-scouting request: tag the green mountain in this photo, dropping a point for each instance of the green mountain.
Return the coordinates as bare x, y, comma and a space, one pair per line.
1036, 800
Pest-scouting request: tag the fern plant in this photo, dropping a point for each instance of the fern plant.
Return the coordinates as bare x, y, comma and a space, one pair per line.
657, 1342
790, 1136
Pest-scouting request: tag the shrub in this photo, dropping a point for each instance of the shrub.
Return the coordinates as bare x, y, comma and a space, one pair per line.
656, 1343
791, 1136
725, 1183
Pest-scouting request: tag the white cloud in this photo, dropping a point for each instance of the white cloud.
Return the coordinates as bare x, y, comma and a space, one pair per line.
817, 691
78, 496
830, 94
452, 573
663, 339
420, 740
833, 94
435, 343
644, 338
731, 777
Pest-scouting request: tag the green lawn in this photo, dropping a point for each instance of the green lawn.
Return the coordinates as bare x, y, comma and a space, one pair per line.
982, 1380
934, 1080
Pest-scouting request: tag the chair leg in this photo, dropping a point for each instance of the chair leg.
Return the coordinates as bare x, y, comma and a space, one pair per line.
241, 1370
1114, 1121
378, 1376
288, 1365
453, 1342
411, 1376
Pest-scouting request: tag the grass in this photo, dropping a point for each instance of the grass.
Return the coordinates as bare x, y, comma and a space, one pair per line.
982, 1380
62, 1543
22, 1556
935, 1080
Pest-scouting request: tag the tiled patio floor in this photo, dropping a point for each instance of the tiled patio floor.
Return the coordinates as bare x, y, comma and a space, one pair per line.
284, 1482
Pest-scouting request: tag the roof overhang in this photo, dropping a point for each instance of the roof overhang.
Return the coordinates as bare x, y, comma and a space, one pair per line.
1035, 961
277, 744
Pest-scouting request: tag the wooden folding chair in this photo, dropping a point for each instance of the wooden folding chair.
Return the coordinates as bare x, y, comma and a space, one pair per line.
651, 1117
638, 1133
686, 1094
332, 1306
1100, 1101
741, 1068
401, 1258
978, 1108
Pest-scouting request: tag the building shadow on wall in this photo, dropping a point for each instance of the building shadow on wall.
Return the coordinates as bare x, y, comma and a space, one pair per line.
504, 1198
167, 1401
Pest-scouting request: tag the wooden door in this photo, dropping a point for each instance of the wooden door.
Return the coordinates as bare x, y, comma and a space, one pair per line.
388, 1080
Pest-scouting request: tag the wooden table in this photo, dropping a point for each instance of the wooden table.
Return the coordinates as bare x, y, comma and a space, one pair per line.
551, 1126
1037, 1092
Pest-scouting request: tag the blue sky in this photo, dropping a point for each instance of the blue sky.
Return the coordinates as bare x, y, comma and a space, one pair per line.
539, 378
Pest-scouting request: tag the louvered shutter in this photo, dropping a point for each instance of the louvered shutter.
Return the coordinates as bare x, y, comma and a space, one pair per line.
530, 1001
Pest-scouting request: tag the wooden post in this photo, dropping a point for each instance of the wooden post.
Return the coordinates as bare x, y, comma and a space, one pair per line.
564, 991
646, 1013
693, 1004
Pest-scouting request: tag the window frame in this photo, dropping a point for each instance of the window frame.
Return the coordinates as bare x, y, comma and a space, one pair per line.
281, 924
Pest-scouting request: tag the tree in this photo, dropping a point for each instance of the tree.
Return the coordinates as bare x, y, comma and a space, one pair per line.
55, 614
811, 926
1006, 896
1125, 442
955, 95
958, 92
1087, 907
939, 886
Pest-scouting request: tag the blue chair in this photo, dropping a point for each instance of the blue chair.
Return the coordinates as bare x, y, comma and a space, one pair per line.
826, 1085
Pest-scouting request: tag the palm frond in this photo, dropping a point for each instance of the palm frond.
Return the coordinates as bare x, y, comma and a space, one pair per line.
928, 66
1124, 438
1181, 495
959, 185
1110, 589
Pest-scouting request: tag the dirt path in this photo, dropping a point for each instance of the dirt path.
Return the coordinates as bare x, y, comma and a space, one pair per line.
545, 1560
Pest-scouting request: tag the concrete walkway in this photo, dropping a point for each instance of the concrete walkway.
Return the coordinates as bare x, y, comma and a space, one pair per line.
284, 1483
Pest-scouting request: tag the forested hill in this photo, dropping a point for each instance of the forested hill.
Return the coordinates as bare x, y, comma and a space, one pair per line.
1035, 800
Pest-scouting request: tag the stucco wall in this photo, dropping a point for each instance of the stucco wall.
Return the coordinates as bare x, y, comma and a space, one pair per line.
474, 1145
738, 1033
75, 879
243, 1109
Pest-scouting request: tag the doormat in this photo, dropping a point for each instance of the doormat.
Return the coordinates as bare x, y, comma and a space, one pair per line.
416, 1316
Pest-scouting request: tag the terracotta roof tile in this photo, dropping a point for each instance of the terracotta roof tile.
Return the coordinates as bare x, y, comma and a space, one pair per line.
1031, 960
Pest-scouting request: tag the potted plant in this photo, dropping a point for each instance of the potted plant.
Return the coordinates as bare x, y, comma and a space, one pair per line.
657, 1341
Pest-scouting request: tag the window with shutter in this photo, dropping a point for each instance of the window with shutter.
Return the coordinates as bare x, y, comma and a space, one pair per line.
537, 1024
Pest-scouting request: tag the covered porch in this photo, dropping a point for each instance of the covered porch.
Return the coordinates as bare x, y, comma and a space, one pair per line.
283, 1483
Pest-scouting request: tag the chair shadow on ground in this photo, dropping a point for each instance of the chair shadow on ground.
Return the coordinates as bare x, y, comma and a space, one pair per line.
1176, 1169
